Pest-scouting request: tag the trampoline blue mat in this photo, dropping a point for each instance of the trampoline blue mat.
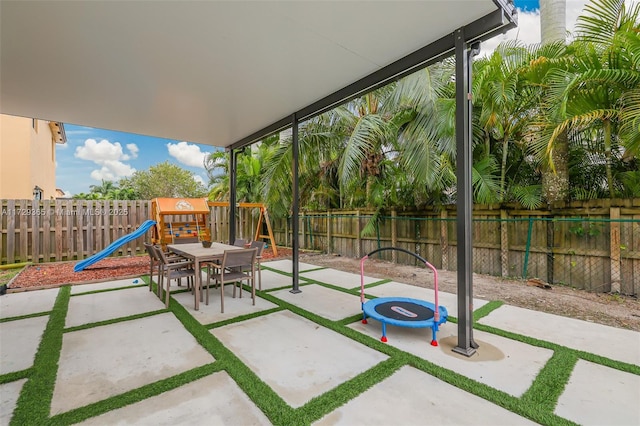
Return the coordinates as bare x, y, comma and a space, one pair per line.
404, 312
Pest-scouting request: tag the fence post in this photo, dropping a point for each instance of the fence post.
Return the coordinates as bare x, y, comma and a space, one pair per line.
358, 239
394, 235
527, 248
614, 224
444, 239
304, 230
328, 231
504, 243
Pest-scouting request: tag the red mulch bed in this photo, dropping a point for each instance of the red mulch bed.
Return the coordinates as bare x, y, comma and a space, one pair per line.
59, 273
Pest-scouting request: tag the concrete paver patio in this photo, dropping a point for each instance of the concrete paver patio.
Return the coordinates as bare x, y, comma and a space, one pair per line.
127, 343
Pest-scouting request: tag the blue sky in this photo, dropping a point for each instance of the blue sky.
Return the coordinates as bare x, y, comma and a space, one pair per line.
94, 154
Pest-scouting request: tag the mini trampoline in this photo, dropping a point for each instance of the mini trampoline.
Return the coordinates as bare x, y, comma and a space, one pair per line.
403, 311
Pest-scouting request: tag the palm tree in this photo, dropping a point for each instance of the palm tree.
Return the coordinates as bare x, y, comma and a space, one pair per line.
585, 96
101, 191
553, 21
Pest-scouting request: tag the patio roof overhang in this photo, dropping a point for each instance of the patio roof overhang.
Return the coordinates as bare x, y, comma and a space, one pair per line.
218, 72
229, 73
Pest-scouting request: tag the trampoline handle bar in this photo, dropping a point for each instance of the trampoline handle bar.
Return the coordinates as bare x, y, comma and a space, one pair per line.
362, 278
436, 314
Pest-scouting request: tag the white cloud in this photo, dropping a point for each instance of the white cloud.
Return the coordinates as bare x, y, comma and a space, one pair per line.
200, 180
109, 156
104, 150
187, 154
112, 170
133, 149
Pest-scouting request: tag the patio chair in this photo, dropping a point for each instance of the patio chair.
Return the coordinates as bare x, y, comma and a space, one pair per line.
240, 242
232, 270
173, 271
156, 265
259, 245
154, 262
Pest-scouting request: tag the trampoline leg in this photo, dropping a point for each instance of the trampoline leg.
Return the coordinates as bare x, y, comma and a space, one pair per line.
384, 333
434, 341
364, 318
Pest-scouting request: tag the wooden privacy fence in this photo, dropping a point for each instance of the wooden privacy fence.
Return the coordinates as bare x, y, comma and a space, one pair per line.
588, 245
47, 231
64, 230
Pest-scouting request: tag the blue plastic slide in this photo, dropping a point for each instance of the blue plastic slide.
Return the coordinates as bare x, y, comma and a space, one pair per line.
114, 245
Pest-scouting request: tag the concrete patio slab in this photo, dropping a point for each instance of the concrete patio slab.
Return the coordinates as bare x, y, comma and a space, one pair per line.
395, 289
501, 363
101, 362
271, 280
610, 342
9, 393
95, 307
212, 400
27, 302
233, 307
286, 265
338, 278
107, 285
412, 397
599, 395
331, 304
19, 341
297, 358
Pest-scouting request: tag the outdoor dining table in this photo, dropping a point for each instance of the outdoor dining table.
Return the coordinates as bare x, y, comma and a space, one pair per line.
199, 254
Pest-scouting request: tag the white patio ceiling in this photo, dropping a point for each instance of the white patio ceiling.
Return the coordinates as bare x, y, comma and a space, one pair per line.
211, 72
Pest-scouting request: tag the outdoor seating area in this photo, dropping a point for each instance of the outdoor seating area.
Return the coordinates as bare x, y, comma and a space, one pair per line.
113, 352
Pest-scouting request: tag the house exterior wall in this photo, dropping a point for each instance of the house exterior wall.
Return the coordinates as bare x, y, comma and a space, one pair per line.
27, 158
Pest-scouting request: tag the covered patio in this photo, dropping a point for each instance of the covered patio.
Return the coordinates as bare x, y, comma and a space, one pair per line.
229, 74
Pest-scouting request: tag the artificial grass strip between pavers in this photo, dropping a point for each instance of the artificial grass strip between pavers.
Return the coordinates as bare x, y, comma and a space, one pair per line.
268, 401
107, 290
27, 316
16, 375
135, 395
242, 318
34, 403
551, 381
115, 320
587, 356
485, 310
324, 404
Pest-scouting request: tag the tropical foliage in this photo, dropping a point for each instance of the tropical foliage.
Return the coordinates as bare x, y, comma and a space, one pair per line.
551, 122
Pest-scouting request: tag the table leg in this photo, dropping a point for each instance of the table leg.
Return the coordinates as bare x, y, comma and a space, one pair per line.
196, 283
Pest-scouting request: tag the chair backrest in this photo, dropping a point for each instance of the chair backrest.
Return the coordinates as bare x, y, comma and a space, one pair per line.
239, 258
258, 245
240, 242
152, 253
160, 255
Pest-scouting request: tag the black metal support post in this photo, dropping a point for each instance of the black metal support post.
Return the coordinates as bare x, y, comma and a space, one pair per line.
295, 208
466, 345
233, 179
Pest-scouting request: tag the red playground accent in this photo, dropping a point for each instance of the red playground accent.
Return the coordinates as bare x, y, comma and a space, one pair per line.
364, 321
383, 339
434, 343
